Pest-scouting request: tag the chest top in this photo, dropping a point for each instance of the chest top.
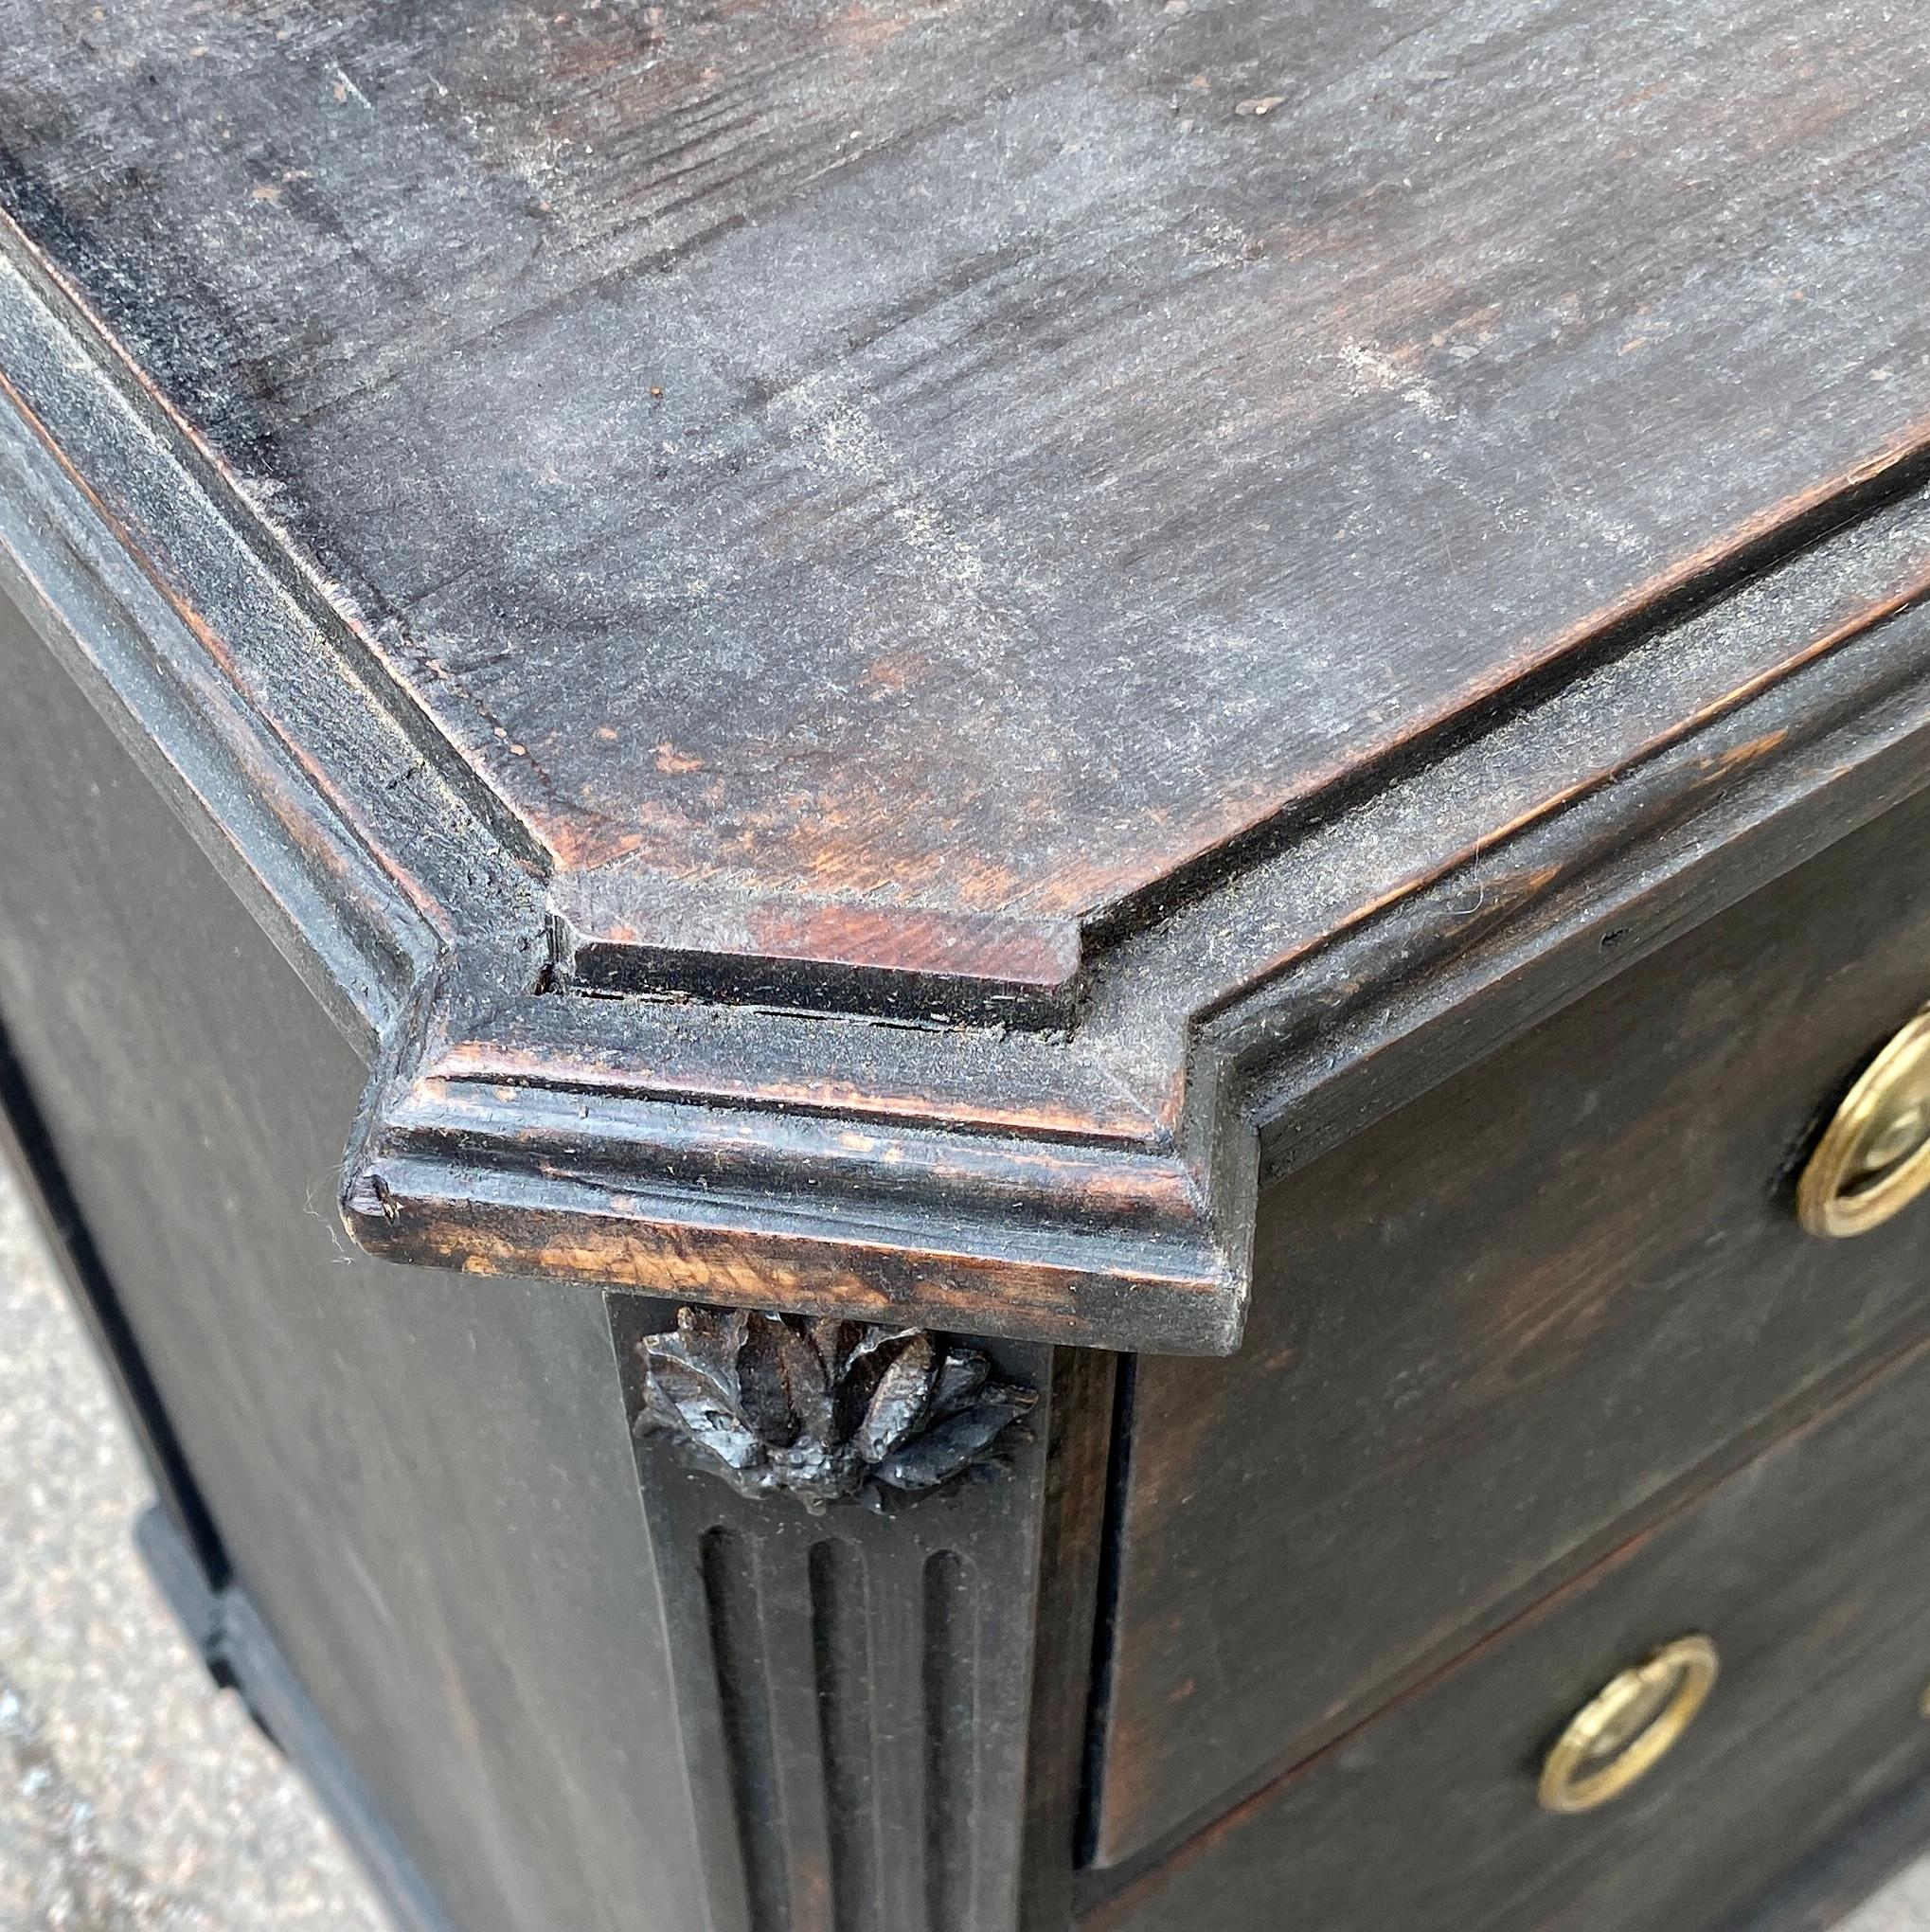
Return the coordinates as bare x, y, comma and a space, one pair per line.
800, 516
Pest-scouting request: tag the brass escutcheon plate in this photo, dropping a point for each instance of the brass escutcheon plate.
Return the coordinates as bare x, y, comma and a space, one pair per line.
1874, 1155
1625, 1729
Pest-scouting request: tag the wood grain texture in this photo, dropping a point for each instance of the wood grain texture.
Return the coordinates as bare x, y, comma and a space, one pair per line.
949, 1127
876, 654
1494, 1324
1824, 1888
430, 1484
425, 1484
1426, 1819
875, 488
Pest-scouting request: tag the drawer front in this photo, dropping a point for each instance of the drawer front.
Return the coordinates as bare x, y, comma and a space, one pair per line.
1809, 1569
1495, 1323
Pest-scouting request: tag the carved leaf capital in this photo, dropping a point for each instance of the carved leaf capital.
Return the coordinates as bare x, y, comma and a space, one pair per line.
823, 1410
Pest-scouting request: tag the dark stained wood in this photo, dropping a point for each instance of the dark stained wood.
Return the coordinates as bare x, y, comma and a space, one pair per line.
854, 1688
29, 1161
425, 1486
1809, 1569
1492, 1325
1022, 670
874, 488
1086, 1184
1395, 927
429, 1489
1085, 1394
1836, 1878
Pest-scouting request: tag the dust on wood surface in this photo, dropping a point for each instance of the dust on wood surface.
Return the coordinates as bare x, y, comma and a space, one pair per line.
883, 484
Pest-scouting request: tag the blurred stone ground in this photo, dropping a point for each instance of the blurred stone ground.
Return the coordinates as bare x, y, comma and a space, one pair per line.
133, 1796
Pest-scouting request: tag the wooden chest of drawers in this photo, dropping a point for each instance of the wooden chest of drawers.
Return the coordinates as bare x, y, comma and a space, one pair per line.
1531, 1310
971, 956
1808, 1576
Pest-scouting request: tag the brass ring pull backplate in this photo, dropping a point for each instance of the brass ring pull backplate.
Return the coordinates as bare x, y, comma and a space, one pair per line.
1874, 1155
1628, 1727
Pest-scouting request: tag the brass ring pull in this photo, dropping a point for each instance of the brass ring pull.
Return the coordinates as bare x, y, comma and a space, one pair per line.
1874, 1155
1627, 1727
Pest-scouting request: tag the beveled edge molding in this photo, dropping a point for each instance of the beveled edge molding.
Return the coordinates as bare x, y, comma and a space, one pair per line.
1094, 1184
792, 1211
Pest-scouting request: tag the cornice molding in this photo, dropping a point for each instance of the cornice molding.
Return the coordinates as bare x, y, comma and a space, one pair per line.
1093, 1181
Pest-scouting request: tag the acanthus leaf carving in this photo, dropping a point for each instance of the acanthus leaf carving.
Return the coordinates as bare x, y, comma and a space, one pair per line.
823, 1410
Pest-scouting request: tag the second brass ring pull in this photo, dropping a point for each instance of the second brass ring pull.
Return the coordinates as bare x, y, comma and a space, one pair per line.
1627, 1727
1874, 1155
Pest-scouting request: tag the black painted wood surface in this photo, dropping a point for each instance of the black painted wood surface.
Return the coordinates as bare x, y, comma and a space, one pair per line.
574, 1682
185, 1066
855, 1686
876, 487
905, 769
1501, 1321
1054, 671
427, 1492
1809, 1568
